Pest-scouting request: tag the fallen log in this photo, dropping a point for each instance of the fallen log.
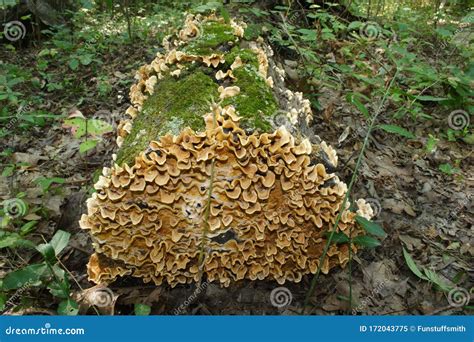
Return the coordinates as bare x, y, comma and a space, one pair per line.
216, 176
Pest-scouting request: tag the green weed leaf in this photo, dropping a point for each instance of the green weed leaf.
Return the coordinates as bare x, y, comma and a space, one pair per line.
366, 241
412, 266
397, 130
59, 241
28, 276
370, 226
142, 309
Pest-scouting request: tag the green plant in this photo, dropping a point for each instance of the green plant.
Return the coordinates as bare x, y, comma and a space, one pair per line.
47, 274
425, 273
89, 129
448, 169
142, 309
369, 228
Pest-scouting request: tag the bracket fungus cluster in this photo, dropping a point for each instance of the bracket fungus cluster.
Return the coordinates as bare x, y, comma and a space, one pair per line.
205, 184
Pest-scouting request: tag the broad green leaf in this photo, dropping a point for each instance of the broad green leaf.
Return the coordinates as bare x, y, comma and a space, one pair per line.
85, 59
308, 35
14, 240
28, 276
397, 130
68, 307
431, 143
59, 241
468, 18
6, 3
443, 32
60, 286
81, 126
98, 127
366, 241
354, 99
211, 5
3, 301
354, 25
448, 169
8, 171
5, 221
469, 139
338, 237
412, 266
45, 182
28, 227
142, 309
10, 240
370, 226
87, 145
435, 279
73, 64
48, 252
78, 126
57, 290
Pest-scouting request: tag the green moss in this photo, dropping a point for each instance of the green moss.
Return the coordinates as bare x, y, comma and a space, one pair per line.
255, 103
246, 55
175, 104
213, 35
182, 102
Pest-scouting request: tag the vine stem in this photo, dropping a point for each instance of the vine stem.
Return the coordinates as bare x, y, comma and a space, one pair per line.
349, 189
207, 212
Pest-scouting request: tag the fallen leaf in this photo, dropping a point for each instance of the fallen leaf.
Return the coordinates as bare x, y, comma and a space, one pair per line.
31, 159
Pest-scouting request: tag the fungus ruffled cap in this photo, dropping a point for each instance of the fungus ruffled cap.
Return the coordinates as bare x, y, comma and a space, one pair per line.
274, 227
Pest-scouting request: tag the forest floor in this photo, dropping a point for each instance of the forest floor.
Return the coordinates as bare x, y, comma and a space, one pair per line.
425, 211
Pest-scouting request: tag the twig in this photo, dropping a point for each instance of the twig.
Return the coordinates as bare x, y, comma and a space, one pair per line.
207, 212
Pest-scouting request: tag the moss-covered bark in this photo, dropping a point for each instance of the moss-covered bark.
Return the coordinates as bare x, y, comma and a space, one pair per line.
181, 101
176, 103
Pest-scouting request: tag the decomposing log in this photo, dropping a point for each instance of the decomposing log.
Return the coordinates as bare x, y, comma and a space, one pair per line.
215, 177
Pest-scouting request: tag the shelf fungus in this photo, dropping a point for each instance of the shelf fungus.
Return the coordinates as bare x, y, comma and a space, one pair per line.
216, 190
